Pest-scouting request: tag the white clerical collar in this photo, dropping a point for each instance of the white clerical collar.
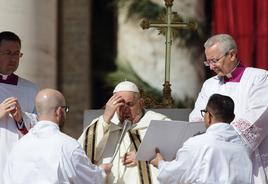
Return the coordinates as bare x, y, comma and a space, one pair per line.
4, 77
229, 75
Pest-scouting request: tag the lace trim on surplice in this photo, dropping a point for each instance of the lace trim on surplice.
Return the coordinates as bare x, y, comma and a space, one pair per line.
249, 132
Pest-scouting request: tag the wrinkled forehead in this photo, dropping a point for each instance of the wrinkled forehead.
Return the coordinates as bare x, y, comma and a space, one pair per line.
128, 95
214, 50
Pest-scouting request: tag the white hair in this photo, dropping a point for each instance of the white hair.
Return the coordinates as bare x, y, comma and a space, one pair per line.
226, 42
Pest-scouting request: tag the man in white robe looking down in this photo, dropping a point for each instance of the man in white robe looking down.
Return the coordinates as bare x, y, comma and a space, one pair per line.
17, 110
46, 155
248, 88
100, 138
218, 156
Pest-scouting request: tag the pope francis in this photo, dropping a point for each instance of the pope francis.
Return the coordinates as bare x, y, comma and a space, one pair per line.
101, 138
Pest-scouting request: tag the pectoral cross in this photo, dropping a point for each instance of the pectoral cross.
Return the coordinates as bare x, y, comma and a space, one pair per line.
168, 26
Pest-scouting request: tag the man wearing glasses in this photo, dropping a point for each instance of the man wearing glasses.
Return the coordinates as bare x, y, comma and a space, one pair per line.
217, 156
248, 88
101, 138
17, 110
46, 155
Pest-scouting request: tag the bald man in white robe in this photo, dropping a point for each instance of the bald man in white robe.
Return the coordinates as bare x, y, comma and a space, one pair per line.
46, 155
248, 88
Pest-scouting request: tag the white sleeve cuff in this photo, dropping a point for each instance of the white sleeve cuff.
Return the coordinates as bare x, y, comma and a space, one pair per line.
105, 125
160, 164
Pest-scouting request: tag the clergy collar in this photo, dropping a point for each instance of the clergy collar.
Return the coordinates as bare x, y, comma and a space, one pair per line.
9, 79
235, 75
117, 125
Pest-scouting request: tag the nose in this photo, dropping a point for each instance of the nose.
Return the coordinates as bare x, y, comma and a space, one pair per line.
13, 58
211, 66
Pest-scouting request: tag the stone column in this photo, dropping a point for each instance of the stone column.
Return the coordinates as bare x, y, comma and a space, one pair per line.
74, 60
35, 22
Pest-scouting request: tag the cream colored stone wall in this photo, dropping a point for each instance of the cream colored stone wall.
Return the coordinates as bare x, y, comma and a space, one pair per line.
36, 22
74, 66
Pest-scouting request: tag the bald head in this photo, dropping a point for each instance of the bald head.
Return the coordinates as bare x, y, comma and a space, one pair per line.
47, 100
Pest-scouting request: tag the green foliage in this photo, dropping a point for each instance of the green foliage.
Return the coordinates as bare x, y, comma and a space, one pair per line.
126, 72
139, 9
145, 8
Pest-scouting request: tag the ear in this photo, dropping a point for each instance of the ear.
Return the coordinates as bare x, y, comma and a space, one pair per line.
233, 54
209, 117
58, 112
141, 102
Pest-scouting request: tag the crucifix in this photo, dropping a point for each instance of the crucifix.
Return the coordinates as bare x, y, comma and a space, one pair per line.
168, 25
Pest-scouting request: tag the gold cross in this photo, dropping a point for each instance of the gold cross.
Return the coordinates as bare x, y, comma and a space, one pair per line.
168, 25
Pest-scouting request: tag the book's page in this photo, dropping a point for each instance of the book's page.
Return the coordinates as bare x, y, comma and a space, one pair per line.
168, 137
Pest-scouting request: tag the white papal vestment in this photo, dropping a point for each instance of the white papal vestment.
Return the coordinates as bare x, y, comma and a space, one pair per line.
218, 156
25, 92
251, 100
104, 144
46, 155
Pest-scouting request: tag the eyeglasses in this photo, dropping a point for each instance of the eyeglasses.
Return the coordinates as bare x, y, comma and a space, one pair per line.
213, 61
203, 112
8, 53
65, 107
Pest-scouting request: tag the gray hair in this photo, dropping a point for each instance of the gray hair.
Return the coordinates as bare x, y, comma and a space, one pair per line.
226, 42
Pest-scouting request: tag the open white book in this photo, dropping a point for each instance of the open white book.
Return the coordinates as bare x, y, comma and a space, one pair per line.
168, 136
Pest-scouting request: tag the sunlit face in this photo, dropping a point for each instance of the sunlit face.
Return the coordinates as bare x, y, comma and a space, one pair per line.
220, 63
9, 56
133, 105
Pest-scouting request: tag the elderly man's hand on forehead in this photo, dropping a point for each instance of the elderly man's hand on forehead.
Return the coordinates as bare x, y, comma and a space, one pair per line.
111, 106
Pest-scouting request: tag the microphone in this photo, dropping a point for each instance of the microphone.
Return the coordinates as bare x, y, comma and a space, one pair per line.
126, 127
